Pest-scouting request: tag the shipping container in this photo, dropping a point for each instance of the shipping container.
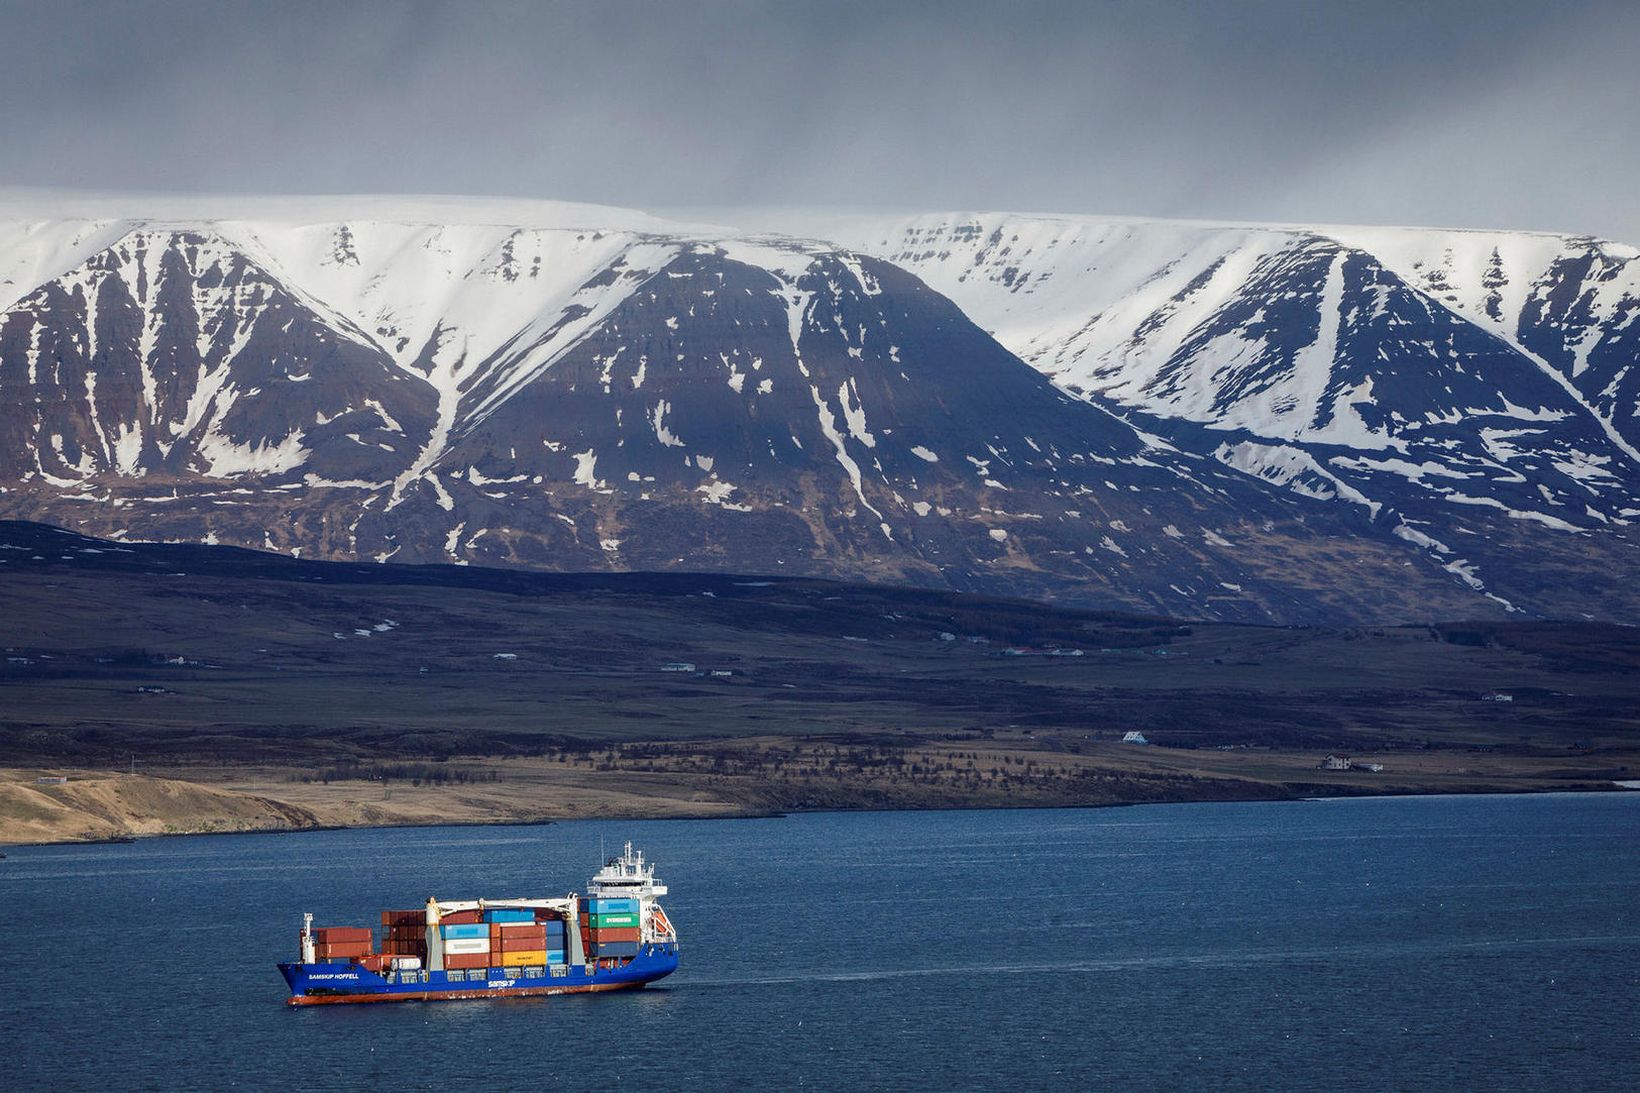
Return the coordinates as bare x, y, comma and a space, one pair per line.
616, 949
467, 931
537, 956
507, 914
329, 934
404, 918
555, 956
612, 906
600, 921
519, 928
617, 934
466, 960
528, 944
344, 948
462, 918
406, 963
467, 946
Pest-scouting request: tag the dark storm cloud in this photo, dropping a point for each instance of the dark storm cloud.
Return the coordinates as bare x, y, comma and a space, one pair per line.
1459, 113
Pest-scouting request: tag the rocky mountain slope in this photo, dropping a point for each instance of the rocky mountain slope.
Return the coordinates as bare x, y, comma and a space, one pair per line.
1301, 431
1473, 392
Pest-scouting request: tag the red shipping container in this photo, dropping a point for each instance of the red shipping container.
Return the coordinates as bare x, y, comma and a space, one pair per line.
462, 918
466, 960
522, 945
623, 933
404, 918
524, 929
365, 944
342, 933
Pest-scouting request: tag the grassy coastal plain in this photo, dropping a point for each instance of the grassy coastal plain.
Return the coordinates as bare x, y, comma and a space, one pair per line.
738, 777
250, 691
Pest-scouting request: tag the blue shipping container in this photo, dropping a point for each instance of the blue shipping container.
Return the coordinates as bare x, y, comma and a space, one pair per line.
508, 915
612, 906
617, 948
466, 930
555, 956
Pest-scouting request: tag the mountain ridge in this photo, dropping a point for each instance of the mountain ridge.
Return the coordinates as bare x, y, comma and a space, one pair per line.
549, 410
1165, 320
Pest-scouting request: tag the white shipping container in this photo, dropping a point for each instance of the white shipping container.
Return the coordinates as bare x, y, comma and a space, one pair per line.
466, 946
407, 963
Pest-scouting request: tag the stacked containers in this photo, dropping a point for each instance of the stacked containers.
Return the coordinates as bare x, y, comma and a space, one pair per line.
342, 944
466, 942
555, 935
404, 937
612, 927
516, 939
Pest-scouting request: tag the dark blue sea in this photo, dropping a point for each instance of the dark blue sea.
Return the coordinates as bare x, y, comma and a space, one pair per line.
1412, 943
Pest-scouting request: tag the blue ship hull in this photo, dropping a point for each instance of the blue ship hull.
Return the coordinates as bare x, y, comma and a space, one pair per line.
323, 984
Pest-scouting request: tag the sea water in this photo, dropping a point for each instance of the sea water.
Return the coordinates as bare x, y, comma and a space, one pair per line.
1454, 942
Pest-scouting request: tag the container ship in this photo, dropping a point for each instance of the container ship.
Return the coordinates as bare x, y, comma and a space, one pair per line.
616, 937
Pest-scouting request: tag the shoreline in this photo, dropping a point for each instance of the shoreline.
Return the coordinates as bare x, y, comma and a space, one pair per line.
115, 808
510, 822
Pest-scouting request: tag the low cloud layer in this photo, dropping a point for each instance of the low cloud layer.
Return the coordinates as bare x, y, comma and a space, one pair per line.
1497, 114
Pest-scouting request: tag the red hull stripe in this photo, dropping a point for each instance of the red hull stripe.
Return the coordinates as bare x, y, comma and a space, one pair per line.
441, 996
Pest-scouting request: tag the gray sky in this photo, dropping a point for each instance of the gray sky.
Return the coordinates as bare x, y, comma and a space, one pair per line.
1442, 112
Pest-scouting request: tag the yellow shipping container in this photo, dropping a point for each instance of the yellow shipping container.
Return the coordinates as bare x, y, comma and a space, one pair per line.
527, 960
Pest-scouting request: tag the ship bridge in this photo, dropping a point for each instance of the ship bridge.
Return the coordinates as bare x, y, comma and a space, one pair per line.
627, 876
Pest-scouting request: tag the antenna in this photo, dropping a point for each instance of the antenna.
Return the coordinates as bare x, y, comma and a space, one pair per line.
601, 858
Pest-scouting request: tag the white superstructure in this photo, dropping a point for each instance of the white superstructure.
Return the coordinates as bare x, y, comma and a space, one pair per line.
630, 877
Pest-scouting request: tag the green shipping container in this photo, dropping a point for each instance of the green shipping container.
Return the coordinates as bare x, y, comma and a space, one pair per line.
599, 921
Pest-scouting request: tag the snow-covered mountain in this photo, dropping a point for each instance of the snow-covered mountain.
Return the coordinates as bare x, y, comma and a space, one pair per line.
1465, 389
1303, 427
